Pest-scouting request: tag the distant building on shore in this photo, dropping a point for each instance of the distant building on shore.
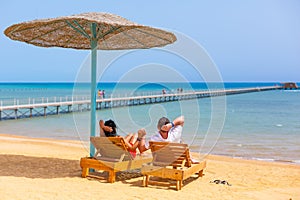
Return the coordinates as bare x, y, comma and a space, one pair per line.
290, 85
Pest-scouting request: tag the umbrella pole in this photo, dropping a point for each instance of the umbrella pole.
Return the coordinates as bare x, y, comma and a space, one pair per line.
93, 85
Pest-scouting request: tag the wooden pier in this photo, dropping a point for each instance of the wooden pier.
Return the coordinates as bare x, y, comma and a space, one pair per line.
56, 108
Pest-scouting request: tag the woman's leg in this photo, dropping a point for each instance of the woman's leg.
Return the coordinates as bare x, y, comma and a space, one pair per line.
131, 141
131, 138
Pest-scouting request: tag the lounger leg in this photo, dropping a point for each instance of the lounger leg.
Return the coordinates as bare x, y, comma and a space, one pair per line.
145, 180
178, 185
181, 184
111, 176
85, 172
200, 174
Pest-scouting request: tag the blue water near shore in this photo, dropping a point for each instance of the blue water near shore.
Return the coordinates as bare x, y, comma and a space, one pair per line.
261, 125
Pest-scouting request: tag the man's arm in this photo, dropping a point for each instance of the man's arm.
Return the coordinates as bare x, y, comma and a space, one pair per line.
179, 121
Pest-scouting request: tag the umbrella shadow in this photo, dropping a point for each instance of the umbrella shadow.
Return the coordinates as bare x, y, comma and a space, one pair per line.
161, 183
38, 167
122, 176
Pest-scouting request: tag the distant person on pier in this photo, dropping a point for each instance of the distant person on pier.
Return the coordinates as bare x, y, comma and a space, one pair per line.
179, 90
167, 131
109, 129
100, 94
103, 94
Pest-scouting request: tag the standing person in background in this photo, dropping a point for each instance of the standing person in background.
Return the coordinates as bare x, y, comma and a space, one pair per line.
100, 94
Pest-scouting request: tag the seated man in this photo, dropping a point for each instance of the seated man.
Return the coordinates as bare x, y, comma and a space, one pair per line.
167, 132
109, 129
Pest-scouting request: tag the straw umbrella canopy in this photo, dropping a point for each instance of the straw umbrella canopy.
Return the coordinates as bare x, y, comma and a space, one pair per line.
91, 31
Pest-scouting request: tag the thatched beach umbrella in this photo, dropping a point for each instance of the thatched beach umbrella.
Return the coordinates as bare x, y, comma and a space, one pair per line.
90, 31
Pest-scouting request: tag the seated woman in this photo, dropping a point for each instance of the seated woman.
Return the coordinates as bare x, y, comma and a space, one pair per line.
109, 129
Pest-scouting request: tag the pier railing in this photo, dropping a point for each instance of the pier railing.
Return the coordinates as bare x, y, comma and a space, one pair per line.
66, 105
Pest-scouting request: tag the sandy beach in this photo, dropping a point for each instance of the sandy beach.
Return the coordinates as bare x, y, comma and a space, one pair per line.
49, 169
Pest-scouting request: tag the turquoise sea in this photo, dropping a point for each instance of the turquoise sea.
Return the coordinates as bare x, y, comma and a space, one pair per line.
261, 125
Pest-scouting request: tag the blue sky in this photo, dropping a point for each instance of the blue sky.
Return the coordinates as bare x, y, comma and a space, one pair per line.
249, 40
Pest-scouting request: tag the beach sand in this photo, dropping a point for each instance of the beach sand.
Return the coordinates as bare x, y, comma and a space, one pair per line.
49, 169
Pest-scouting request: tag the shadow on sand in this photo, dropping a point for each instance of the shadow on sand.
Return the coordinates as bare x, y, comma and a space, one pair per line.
38, 167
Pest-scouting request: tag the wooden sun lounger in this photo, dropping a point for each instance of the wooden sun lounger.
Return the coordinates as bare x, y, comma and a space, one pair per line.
112, 156
171, 161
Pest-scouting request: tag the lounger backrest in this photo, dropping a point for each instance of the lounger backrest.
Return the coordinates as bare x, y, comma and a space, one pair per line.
111, 149
170, 154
